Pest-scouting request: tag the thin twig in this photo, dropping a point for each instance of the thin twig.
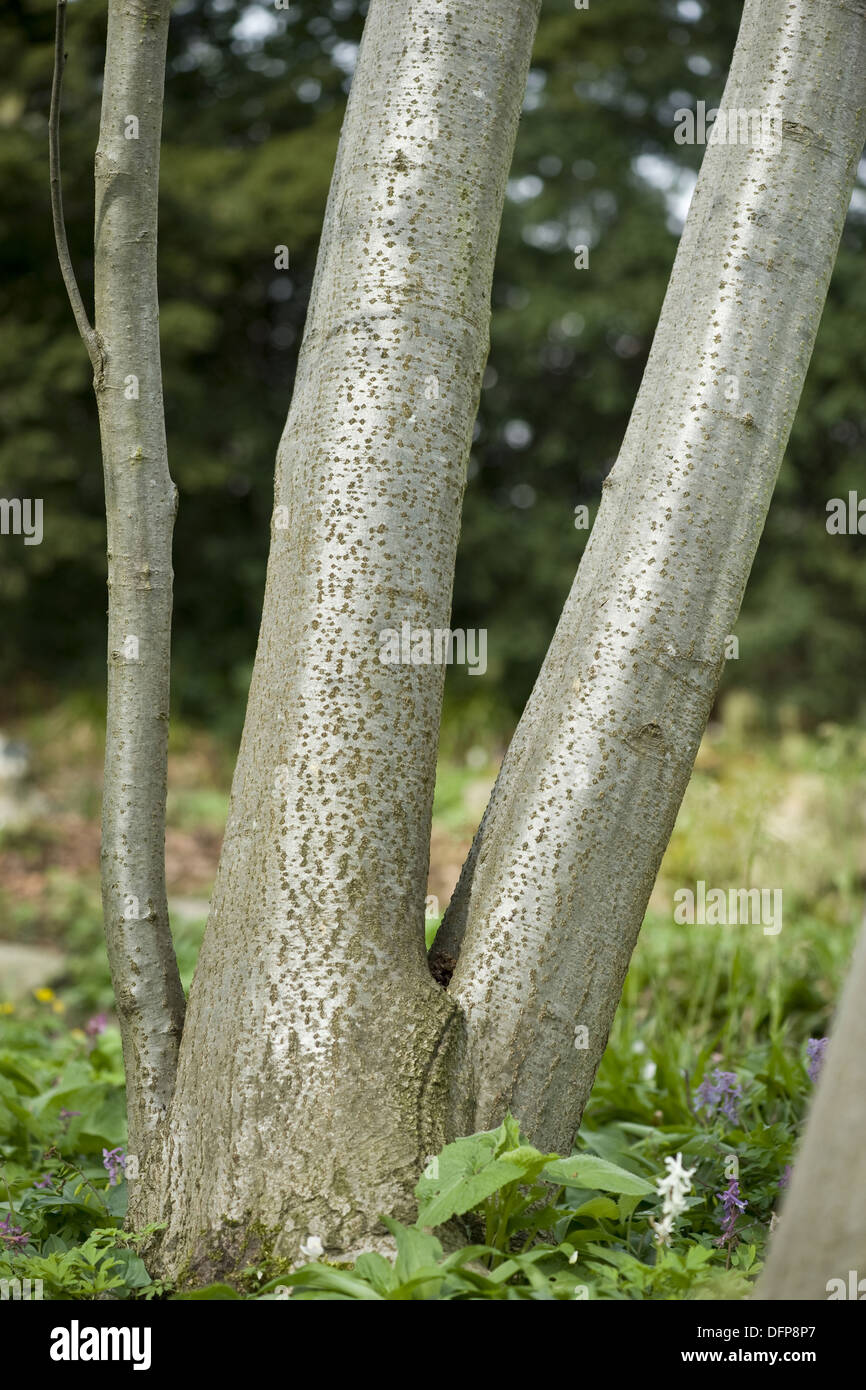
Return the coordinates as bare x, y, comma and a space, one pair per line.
85, 328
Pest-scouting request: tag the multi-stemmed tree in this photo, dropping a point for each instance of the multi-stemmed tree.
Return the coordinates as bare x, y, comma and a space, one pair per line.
323, 1055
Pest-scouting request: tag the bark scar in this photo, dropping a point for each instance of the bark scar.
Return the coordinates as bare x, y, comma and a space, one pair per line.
804, 135
648, 739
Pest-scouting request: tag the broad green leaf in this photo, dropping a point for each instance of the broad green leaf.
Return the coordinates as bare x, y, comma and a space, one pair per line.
130, 1267
530, 1161
585, 1170
54, 1245
13, 1066
10, 1099
602, 1208
210, 1291
89, 1203
460, 1188
518, 1264
84, 1096
377, 1271
426, 1281
415, 1249
467, 1173
626, 1204
319, 1276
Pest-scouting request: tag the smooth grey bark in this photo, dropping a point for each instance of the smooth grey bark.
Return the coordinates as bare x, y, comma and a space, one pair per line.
141, 501
318, 1056
547, 912
822, 1229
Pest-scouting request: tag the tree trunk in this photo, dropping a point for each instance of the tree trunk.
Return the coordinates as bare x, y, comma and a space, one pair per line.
319, 1063
550, 902
822, 1231
140, 501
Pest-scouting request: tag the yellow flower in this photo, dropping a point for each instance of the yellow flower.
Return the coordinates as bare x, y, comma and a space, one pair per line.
44, 995
7, 1008
58, 1007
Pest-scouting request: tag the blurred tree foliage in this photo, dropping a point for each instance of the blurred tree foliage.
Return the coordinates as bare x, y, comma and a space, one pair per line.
254, 102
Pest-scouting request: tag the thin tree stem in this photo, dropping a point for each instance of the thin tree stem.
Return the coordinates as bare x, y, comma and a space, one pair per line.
85, 328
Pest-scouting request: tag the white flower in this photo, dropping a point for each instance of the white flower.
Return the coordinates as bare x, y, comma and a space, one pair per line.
572, 1259
674, 1188
312, 1248
677, 1184
663, 1229
638, 1046
648, 1071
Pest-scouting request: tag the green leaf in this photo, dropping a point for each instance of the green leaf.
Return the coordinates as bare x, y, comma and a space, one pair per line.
319, 1276
507, 1136
466, 1254
744, 1256
415, 1249
602, 1208
10, 1099
131, 1268
116, 1199
15, 1068
626, 1205
377, 1272
585, 1170
530, 1161
426, 1282
210, 1291
541, 1219
697, 1256
468, 1172
106, 1125
89, 1205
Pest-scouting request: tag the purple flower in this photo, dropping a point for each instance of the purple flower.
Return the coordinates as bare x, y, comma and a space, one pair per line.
12, 1236
46, 1181
722, 1092
96, 1025
815, 1048
114, 1160
65, 1116
732, 1205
